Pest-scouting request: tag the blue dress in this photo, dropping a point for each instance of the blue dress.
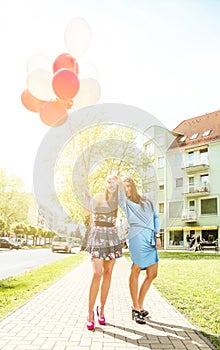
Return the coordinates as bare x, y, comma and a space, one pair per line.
143, 223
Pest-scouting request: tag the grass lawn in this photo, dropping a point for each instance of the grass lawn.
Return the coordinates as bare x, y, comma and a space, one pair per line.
191, 282
14, 291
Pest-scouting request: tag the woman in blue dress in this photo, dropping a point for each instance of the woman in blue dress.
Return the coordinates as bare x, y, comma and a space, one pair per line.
143, 240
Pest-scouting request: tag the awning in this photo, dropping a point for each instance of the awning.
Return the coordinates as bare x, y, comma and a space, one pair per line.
200, 228
195, 228
175, 228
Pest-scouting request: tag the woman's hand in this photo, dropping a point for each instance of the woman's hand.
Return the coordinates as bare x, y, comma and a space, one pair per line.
158, 243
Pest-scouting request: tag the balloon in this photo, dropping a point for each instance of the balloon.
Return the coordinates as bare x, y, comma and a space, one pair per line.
67, 103
39, 84
38, 61
88, 70
65, 84
32, 103
65, 60
53, 113
89, 93
77, 36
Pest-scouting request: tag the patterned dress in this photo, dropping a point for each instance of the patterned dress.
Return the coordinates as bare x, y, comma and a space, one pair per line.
103, 242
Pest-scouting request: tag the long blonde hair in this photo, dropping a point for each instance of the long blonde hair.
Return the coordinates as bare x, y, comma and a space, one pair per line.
135, 196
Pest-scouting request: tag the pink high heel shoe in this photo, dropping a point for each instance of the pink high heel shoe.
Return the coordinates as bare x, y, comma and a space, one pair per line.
90, 325
101, 320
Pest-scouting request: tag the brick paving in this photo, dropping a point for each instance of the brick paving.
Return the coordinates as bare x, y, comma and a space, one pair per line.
55, 319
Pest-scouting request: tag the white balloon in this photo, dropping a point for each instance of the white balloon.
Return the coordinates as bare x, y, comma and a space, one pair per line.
77, 36
38, 61
87, 70
39, 83
88, 94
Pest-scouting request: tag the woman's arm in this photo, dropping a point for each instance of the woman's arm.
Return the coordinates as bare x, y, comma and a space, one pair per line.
121, 194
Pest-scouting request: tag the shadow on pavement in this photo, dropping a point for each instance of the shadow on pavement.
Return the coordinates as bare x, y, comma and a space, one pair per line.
154, 332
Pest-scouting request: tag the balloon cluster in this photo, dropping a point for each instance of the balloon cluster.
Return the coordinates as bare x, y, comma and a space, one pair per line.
51, 92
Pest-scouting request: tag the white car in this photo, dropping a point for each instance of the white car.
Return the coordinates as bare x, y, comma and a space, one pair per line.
61, 244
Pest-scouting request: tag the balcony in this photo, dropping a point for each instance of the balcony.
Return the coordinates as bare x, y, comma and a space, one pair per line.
189, 215
200, 164
197, 191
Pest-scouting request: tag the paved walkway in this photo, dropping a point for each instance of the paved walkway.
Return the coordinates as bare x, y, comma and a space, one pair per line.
55, 319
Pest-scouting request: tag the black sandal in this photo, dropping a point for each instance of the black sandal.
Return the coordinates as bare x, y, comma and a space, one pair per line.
144, 313
137, 316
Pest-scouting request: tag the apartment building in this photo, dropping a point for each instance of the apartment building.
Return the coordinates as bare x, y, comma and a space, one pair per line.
187, 167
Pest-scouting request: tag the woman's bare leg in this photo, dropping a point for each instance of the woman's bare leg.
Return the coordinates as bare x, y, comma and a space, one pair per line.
106, 282
133, 285
97, 266
151, 274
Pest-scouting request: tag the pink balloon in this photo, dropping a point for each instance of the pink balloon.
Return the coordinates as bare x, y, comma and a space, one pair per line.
53, 113
65, 60
65, 84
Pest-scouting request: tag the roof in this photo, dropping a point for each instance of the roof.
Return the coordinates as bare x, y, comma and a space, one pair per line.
198, 130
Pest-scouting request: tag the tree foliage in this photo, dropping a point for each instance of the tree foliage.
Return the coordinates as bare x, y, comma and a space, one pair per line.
14, 200
90, 157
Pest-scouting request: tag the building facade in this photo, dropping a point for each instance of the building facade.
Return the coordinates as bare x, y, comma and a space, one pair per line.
187, 168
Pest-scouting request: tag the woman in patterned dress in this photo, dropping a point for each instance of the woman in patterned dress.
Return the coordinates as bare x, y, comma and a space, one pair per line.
143, 240
104, 247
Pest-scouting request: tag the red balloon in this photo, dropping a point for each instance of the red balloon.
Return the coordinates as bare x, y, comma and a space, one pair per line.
65, 84
53, 113
30, 102
65, 60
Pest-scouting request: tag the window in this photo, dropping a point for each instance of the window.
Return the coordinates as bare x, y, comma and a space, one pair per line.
176, 237
161, 162
175, 209
204, 181
204, 155
209, 206
194, 136
182, 139
179, 182
191, 157
191, 184
192, 205
150, 149
206, 133
161, 208
161, 187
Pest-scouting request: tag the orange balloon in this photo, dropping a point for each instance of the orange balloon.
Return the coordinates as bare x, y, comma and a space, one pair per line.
65, 60
30, 102
65, 84
53, 113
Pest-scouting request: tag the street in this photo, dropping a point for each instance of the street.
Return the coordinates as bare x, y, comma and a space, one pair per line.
14, 262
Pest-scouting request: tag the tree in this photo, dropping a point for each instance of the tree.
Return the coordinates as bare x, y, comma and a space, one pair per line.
87, 160
3, 225
14, 200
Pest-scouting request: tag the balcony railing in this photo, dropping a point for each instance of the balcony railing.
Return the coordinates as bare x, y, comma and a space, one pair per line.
197, 164
194, 189
189, 215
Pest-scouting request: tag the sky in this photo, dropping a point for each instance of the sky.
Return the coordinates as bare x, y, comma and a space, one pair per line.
162, 56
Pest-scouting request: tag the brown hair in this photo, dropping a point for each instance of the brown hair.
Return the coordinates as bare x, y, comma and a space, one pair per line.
135, 196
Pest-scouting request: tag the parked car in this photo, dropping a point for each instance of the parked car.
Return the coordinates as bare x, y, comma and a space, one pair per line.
61, 244
6, 242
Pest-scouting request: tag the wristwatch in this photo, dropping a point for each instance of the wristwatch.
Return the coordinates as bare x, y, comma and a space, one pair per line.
157, 235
